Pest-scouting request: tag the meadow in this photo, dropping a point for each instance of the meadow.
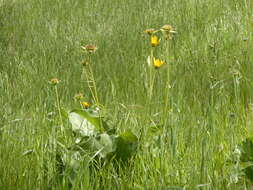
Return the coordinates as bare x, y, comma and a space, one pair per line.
189, 117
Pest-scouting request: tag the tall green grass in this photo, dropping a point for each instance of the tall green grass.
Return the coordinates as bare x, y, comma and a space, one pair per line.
211, 71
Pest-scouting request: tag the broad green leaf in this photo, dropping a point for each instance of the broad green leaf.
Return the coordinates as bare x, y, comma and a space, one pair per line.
85, 123
246, 149
249, 172
246, 157
244, 165
82, 125
126, 145
101, 145
73, 162
106, 144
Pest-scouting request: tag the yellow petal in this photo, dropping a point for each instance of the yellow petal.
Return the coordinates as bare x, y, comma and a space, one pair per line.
154, 41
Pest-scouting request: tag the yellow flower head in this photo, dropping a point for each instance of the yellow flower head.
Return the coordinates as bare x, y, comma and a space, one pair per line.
154, 41
78, 96
158, 63
150, 31
85, 105
54, 81
89, 48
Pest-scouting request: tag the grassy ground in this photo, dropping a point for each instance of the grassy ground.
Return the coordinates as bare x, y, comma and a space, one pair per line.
211, 74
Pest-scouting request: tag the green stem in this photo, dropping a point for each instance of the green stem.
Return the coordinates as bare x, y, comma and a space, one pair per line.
88, 80
152, 85
167, 88
58, 107
91, 81
151, 75
93, 85
93, 88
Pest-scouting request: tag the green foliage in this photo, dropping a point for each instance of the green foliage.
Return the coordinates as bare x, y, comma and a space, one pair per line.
246, 148
93, 142
246, 157
83, 123
209, 101
126, 145
94, 138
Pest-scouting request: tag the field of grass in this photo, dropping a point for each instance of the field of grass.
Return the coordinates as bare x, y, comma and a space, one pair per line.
210, 94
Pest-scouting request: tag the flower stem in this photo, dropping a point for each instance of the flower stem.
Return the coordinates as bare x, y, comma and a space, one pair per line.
58, 107
167, 89
91, 82
90, 79
151, 75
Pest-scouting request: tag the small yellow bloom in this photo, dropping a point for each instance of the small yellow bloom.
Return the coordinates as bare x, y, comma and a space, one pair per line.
78, 96
154, 41
85, 105
89, 48
158, 63
54, 81
150, 31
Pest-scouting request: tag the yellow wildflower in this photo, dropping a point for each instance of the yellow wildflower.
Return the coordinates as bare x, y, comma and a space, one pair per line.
54, 81
85, 105
89, 48
154, 41
150, 31
158, 63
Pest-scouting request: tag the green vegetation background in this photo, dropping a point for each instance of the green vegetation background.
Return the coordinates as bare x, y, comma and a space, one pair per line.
210, 99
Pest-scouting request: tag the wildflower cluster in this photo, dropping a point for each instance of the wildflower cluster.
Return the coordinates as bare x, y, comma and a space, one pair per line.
167, 31
93, 136
88, 74
156, 35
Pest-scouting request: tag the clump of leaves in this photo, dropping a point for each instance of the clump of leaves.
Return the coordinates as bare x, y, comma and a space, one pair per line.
94, 140
242, 159
246, 157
